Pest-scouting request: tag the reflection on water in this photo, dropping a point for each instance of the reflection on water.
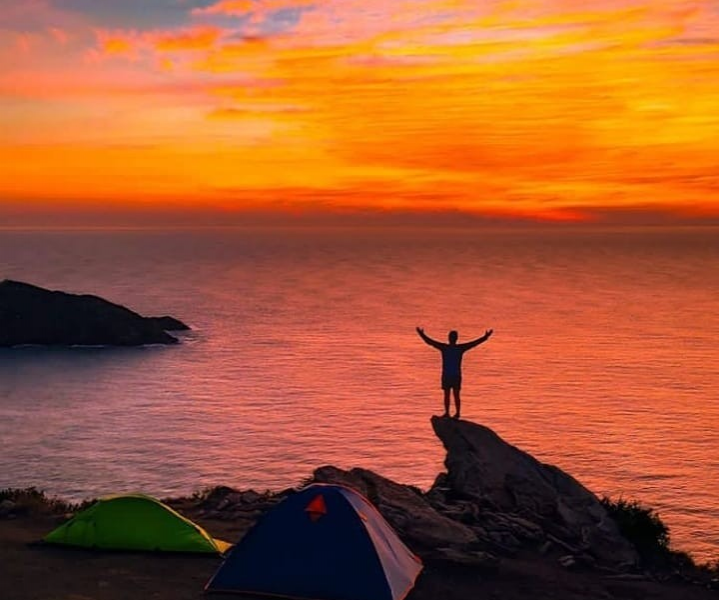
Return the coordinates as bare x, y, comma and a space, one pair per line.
304, 352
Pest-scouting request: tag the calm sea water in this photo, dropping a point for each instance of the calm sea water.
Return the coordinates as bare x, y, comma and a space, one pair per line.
604, 360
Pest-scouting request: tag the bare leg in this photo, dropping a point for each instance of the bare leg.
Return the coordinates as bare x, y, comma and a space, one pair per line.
446, 402
457, 402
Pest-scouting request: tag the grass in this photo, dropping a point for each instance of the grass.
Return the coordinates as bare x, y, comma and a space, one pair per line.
34, 501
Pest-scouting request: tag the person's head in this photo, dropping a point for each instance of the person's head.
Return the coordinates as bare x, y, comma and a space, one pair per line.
453, 335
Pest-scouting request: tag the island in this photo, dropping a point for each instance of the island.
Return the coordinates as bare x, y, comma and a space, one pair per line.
31, 315
498, 524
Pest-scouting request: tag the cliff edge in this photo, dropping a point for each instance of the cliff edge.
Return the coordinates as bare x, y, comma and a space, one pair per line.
494, 501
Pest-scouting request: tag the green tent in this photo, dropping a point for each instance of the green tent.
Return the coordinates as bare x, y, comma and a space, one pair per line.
135, 522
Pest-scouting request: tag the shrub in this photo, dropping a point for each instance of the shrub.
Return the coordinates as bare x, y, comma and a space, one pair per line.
640, 525
711, 568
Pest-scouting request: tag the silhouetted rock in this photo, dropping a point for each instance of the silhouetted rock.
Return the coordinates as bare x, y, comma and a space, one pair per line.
518, 498
169, 323
420, 526
494, 501
33, 315
229, 499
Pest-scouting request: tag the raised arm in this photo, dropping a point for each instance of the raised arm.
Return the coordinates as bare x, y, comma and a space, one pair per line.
478, 341
428, 340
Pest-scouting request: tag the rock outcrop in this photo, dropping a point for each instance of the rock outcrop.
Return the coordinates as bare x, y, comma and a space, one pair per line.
168, 323
515, 498
405, 508
31, 315
495, 501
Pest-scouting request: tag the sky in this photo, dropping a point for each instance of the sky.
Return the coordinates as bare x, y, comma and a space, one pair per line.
223, 110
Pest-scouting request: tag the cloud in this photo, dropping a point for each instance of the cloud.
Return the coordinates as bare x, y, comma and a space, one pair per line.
225, 7
255, 110
126, 44
263, 18
691, 41
244, 7
128, 14
60, 35
132, 44
197, 38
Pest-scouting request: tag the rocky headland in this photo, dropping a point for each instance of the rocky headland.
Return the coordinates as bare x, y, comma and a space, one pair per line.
497, 524
31, 315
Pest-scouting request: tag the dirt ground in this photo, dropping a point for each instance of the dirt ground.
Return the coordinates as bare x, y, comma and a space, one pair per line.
30, 571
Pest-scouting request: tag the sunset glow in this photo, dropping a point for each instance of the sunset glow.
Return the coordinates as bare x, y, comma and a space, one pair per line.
560, 110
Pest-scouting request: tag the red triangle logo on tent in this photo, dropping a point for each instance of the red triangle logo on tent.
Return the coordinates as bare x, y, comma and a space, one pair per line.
317, 508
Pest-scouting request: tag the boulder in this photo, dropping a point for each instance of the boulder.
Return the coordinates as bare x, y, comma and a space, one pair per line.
474, 559
246, 501
31, 315
6, 507
418, 524
532, 496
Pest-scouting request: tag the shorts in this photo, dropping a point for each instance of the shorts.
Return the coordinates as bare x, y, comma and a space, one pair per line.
451, 381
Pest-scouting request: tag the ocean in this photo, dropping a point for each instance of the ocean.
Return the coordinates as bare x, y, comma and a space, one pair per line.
604, 359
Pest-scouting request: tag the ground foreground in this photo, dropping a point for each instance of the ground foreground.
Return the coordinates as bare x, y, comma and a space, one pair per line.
36, 572
497, 525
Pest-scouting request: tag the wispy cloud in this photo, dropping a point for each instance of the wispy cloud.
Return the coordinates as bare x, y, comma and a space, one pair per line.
197, 38
244, 7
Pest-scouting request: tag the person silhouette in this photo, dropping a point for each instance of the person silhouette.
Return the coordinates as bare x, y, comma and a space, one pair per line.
452, 364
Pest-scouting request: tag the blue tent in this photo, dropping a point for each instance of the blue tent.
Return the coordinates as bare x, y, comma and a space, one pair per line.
325, 542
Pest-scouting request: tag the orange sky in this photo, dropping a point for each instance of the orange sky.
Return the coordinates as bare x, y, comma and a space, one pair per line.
554, 109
